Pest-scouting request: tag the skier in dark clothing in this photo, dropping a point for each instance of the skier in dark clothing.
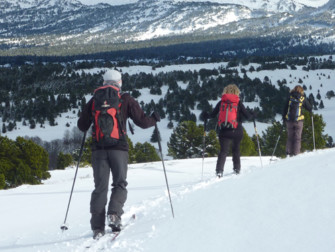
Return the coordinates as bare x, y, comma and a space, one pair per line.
112, 159
294, 119
227, 135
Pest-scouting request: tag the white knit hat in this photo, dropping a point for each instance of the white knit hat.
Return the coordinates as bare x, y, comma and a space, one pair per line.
112, 77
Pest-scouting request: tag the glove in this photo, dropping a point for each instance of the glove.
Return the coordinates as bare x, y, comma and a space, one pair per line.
204, 116
156, 116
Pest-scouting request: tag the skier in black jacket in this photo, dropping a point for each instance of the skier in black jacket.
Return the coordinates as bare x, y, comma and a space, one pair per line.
227, 135
112, 159
294, 119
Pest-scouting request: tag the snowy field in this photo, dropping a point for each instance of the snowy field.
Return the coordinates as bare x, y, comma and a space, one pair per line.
288, 205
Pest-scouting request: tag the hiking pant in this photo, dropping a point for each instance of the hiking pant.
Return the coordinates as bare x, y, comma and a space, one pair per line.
104, 162
226, 136
293, 143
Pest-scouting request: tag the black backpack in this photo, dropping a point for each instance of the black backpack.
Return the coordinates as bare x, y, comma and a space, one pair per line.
294, 108
107, 119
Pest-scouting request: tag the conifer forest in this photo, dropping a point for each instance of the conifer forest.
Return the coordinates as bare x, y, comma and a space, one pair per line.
36, 93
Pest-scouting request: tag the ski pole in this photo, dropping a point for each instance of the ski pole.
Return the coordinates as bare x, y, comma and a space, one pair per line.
64, 226
313, 132
166, 180
203, 150
274, 150
259, 147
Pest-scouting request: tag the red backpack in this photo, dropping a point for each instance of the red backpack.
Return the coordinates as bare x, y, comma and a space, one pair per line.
228, 111
107, 122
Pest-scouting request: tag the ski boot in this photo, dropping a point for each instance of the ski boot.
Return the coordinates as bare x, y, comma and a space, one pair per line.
114, 222
98, 233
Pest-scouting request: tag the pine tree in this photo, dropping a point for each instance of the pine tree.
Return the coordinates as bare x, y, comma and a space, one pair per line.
36, 158
330, 142
22, 161
2, 181
63, 161
87, 152
247, 146
145, 153
170, 125
186, 141
4, 128
270, 137
32, 124
307, 132
131, 152
155, 137
330, 94
321, 106
212, 144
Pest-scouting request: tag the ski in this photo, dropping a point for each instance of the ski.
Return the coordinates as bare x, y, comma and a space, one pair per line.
111, 236
123, 227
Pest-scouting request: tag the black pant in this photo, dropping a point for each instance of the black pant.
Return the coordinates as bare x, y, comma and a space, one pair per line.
226, 136
294, 131
104, 162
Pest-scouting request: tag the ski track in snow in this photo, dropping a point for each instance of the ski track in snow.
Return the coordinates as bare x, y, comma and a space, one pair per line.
250, 212
149, 208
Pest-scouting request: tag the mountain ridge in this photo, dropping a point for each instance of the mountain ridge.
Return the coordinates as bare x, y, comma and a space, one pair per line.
70, 23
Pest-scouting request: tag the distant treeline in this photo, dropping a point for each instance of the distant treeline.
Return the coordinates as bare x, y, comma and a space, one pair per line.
35, 94
176, 49
39, 93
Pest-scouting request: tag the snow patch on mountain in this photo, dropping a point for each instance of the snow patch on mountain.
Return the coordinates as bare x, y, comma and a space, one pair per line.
310, 3
25, 4
148, 19
271, 6
187, 22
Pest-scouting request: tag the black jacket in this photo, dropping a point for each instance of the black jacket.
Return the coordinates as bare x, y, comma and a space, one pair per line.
129, 109
305, 104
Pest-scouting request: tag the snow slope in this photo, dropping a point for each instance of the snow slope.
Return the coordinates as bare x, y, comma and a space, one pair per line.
287, 205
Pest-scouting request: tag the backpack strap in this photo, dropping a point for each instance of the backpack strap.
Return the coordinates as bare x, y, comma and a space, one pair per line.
119, 117
300, 115
107, 86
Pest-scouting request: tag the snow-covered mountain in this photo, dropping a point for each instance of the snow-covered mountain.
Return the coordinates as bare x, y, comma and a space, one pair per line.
269, 6
69, 22
273, 5
25, 5
248, 3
